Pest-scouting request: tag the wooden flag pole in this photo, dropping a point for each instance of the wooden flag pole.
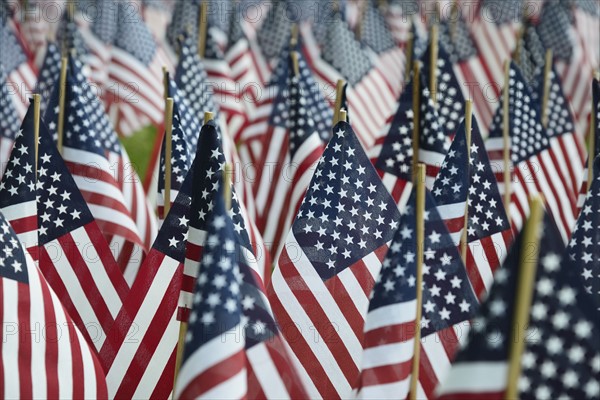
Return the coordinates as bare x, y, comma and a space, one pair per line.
295, 65
468, 121
454, 15
208, 116
62, 93
528, 260
546, 96
343, 115
168, 152
420, 227
506, 140
165, 83
416, 106
592, 145
227, 177
36, 128
410, 44
517, 53
433, 57
339, 94
202, 28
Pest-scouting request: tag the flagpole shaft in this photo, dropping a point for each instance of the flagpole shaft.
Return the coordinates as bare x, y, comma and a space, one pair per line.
506, 141
339, 94
165, 83
183, 326
528, 260
409, 56
416, 117
433, 56
36, 128
168, 152
592, 145
227, 177
546, 96
468, 122
420, 232
202, 28
208, 116
62, 92
296, 66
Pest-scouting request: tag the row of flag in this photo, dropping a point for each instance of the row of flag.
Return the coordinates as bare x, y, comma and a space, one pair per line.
280, 255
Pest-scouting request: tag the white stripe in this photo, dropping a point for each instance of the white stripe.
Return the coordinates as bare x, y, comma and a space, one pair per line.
394, 314
433, 347
38, 321
476, 377
21, 210
10, 342
64, 365
97, 270
141, 324
235, 387
396, 390
216, 350
111, 215
451, 211
388, 354
266, 372
352, 286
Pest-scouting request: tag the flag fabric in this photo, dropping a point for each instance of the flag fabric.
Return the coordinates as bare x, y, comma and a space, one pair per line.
371, 96
231, 320
596, 151
9, 122
18, 188
568, 30
535, 168
293, 143
389, 332
207, 179
392, 155
44, 354
582, 250
560, 358
20, 71
471, 181
136, 69
49, 75
450, 101
92, 152
73, 255
565, 144
320, 288
140, 351
103, 172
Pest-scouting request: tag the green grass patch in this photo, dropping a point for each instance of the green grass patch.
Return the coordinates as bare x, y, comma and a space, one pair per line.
139, 147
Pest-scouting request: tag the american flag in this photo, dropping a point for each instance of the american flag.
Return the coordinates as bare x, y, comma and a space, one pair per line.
18, 190
9, 122
20, 71
566, 146
477, 66
231, 320
462, 180
570, 30
532, 54
74, 256
49, 75
190, 75
372, 98
103, 172
376, 35
44, 355
393, 154
596, 150
297, 127
561, 357
582, 250
139, 353
450, 101
535, 170
135, 70
210, 161
389, 332
328, 266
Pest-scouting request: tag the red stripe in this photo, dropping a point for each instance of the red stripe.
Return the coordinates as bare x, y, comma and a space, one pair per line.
51, 340
473, 396
363, 276
78, 370
25, 337
389, 334
346, 305
427, 377
214, 376
286, 371
449, 341
25, 224
164, 386
255, 390
386, 374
